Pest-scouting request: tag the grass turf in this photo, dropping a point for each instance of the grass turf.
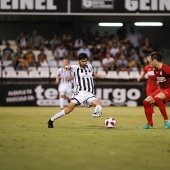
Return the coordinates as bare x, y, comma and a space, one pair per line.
79, 142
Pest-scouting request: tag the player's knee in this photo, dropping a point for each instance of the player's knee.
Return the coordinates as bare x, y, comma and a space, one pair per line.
101, 105
68, 110
146, 103
96, 103
157, 100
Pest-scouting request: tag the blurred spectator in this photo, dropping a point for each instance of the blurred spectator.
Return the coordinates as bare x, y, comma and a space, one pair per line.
122, 33
105, 38
114, 51
19, 62
134, 38
60, 52
71, 51
16, 54
132, 65
97, 38
54, 42
135, 56
108, 62
66, 37
95, 53
44, 47
103, 50
88, 36
146, 47
22, 41
126, 48
42, 58
78, 43
111, 40
36, 40
122, 63
7, 52
84, 49
30, 58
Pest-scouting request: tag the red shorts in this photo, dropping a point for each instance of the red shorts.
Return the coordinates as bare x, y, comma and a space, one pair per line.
151, 89
166, 92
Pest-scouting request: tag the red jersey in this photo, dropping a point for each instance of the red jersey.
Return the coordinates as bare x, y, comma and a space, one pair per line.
152, 81
163, 76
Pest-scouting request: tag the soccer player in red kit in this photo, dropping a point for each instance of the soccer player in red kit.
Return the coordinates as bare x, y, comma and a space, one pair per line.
152, 84
160, 96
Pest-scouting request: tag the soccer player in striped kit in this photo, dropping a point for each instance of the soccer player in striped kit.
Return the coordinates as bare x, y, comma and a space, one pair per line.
83, 89
64, 79
160, 96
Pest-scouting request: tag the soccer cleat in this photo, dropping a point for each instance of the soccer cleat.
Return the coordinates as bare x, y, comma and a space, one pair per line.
147, 127
50, 124
167, 124
96, 114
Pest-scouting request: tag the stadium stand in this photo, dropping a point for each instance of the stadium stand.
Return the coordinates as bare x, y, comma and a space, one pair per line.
53, 72
123, 75
112, 75
22, 74
134, 74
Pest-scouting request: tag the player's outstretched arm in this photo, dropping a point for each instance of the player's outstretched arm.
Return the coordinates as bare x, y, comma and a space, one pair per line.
141, 77
99, 76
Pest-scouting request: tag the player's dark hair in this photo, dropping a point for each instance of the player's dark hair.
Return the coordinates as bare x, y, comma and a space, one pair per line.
82, 56
65, 58
157, 55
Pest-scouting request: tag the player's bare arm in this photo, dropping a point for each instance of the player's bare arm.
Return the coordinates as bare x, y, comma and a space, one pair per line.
141, 77
98, 76
58, 79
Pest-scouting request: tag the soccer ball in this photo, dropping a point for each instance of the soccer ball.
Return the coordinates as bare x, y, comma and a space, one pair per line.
110, 122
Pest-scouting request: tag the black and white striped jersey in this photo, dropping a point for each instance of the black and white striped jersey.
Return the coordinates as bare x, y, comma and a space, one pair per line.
64, 73
83, 78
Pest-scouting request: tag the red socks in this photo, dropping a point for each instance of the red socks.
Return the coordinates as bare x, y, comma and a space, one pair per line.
148, 108
161, 106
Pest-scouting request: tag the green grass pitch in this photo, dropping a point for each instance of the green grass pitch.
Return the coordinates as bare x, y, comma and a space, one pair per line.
80, 142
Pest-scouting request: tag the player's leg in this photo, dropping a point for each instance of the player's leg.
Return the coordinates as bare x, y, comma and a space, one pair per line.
147, 103
98, 107
62, 90
62, 97
150, 90
69, 92
61, 113
159, 100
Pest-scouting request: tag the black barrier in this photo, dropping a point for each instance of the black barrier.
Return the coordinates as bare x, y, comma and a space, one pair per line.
120, 6
33, 6
85, 7
119, 94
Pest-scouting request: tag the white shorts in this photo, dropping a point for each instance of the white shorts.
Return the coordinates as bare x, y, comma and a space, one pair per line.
65, 89
82, 97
